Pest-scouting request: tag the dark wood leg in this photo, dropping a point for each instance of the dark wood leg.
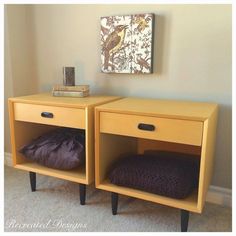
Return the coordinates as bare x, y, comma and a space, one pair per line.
184, 220
114, 203
32, 176
82, 192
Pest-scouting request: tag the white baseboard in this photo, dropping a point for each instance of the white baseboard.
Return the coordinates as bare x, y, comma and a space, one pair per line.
8, 159
220, 196
216, 195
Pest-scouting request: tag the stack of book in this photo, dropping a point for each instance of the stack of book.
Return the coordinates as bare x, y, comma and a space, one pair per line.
70, 91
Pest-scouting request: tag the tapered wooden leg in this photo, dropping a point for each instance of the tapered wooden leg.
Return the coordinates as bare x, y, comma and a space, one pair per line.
32, 176
184, 220
82, 192
114, 203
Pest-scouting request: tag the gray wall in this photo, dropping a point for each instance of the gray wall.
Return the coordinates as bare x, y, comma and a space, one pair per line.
192, 58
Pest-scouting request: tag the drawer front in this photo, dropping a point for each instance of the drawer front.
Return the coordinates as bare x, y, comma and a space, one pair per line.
50, 115
164, 129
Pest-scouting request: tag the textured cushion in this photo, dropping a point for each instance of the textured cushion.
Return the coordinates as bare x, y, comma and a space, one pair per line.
62, 148
165, 173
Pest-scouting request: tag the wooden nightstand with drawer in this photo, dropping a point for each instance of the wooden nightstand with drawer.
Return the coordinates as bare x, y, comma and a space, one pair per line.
31, 116
134, 125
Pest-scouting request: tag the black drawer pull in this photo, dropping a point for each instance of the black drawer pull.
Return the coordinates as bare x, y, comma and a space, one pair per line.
146, 127
47, 114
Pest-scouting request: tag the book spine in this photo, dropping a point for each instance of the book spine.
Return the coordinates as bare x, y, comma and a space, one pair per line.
71, 88
58, 93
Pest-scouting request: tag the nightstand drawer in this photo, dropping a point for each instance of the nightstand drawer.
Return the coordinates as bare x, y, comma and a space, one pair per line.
51, 115
163, 129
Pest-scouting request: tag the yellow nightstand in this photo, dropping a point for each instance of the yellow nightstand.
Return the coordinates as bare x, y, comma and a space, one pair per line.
135, 125
28, 121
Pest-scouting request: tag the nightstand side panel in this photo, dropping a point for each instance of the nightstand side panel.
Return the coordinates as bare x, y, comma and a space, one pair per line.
207, 157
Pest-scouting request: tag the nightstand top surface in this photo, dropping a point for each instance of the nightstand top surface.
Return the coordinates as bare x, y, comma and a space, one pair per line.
161, 108
48, 99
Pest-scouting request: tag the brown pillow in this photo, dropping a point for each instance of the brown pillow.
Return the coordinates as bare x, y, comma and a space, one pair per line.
62, 148
165, 173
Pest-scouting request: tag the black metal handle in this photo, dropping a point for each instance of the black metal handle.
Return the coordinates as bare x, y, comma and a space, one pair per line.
47, 114
146, 127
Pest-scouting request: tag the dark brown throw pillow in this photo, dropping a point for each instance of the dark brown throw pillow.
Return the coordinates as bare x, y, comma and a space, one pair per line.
168, 174
63, 148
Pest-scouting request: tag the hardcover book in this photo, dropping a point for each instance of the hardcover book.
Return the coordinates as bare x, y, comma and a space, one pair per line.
60, 87
58, 93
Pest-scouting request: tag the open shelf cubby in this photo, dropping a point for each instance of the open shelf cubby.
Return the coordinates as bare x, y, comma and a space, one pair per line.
26, 132
112, 147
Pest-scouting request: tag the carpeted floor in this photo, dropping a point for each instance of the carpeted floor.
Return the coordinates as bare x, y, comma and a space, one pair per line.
55, 207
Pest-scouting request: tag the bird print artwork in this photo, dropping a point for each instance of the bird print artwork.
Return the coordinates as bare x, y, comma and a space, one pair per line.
113, 43
127, 43
142, 21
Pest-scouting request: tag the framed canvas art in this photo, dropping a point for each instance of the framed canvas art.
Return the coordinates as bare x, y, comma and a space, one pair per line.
127, 44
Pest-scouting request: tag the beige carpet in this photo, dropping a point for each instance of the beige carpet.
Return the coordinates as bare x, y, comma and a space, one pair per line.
55, 207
